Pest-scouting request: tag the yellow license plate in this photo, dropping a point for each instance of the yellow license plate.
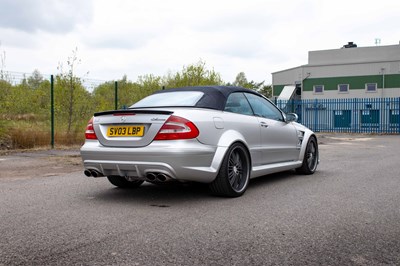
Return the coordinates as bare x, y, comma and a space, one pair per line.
125, 131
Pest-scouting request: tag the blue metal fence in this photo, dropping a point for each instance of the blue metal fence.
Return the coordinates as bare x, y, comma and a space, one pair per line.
366, 115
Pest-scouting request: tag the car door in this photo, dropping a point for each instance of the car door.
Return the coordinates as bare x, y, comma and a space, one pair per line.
240, 117
278, 138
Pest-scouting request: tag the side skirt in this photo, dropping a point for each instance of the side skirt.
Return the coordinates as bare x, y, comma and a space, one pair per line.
274, 168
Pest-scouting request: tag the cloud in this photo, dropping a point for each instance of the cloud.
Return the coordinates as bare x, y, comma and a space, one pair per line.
154, 36
117, 40
41, 15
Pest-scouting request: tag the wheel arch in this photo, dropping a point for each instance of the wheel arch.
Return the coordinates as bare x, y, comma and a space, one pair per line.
226, 140
307, 136
310, 160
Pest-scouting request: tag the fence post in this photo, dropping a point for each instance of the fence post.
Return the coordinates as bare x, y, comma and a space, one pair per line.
116, 94
354, 117
316, 115
52, 110
398, 118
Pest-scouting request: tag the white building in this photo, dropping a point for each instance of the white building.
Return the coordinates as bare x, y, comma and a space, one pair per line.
349, 72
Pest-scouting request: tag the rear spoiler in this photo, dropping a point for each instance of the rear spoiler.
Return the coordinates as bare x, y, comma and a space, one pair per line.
132, 112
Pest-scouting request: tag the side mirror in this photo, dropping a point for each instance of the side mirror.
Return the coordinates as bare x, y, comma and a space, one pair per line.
292, 117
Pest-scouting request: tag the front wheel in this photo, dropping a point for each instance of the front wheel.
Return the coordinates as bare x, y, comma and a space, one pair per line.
122, 182
234, 175
310, 160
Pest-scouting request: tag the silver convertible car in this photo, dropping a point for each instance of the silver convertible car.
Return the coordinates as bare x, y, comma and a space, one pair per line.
219, 135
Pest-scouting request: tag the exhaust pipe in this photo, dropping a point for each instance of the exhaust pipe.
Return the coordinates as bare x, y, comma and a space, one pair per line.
93, 173
96, 174
151, 176
87, 173
162, 177
154, 176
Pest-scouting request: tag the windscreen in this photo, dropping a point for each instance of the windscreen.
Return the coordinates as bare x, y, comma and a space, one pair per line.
175, 98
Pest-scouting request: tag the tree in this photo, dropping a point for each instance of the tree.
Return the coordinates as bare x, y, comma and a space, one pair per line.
128, 92
3, 73
148, 84
35, 79
103, 96
266, 90
193, 75
72, 96
6, 96
240, 80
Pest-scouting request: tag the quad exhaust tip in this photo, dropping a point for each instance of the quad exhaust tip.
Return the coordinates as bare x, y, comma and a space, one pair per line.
87, 173
92, 173
160, 177
152, 176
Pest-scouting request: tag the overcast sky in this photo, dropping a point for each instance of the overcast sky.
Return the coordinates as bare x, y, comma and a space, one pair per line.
141, 37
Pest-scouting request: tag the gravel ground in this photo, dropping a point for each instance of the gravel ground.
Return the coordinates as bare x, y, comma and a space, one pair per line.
347, 213
31, 164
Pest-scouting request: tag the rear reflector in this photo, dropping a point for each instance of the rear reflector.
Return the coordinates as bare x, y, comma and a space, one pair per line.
177, 128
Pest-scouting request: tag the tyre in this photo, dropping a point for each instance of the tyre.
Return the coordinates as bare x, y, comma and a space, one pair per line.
122, 182
234, 175
310, 160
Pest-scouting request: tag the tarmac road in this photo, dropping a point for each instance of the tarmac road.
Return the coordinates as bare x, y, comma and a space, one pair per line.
348, 213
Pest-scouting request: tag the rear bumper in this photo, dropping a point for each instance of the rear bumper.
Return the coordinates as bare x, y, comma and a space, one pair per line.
186, 160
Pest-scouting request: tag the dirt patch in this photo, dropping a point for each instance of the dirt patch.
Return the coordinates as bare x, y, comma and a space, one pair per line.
31, 164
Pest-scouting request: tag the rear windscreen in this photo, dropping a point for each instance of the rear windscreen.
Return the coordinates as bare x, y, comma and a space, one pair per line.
175, 98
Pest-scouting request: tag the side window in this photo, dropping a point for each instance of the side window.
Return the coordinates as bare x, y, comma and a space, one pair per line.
237, 103
371, 87
318, 89
343, 88
264, 108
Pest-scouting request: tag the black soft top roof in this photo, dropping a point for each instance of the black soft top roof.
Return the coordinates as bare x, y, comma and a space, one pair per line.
214, 96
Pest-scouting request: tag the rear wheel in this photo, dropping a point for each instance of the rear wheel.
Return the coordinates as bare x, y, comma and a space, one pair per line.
310, 160
122, 182
234, 175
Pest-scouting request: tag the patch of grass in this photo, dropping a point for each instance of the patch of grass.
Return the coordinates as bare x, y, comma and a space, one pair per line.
28, 137
69, 139
5, 141
31, 134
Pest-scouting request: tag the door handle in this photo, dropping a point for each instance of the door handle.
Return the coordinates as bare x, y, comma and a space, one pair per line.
263, 124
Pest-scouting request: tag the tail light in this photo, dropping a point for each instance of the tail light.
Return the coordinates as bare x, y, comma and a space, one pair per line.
89, 133
177, 128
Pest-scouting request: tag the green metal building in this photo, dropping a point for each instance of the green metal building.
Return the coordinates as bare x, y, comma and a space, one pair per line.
348, 72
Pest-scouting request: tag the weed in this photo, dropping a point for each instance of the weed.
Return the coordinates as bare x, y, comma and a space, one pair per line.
29, 134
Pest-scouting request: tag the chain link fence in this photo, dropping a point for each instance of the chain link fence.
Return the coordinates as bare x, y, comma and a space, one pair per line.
27, 109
